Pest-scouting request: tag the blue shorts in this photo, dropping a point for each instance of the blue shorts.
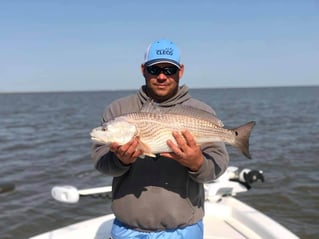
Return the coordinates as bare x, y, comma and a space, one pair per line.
195, 231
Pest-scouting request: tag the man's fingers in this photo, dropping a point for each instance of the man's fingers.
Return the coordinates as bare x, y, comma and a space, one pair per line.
189, 138
137, 153
180, 140
114, 146
175, 148
128, 152
184, 139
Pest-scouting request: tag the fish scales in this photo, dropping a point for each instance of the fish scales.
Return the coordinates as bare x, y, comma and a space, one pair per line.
155, 123
154, 129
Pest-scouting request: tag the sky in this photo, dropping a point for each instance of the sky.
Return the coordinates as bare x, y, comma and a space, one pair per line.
78, 45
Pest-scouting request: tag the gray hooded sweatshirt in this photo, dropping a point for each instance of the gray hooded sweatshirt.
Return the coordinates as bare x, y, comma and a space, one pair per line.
156, 194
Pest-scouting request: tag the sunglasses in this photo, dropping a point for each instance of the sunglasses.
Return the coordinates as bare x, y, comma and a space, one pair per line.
168, 71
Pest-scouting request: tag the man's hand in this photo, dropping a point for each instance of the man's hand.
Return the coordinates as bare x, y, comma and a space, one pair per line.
128, 152
187, 152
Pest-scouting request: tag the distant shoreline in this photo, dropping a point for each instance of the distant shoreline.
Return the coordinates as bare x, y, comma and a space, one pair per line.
128, 90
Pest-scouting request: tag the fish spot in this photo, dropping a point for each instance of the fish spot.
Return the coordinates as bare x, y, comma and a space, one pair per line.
236, 133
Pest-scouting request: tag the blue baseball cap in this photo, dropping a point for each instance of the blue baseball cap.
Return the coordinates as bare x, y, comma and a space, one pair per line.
162, 51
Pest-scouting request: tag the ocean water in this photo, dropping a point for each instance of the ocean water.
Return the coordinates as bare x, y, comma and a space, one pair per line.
44, 141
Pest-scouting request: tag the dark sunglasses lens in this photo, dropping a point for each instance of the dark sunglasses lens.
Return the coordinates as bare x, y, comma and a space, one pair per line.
170, 70
155, 70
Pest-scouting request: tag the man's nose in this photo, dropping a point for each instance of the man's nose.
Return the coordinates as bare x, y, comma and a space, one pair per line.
161, 76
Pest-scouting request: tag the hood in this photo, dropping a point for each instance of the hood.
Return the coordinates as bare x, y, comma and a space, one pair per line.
181, 96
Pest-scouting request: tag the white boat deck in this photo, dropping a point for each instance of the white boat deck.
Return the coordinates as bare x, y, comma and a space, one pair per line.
227, 218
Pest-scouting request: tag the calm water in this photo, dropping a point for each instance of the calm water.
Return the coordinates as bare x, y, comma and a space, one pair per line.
44, 142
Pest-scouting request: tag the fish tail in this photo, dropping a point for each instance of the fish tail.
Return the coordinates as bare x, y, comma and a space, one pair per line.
242, 137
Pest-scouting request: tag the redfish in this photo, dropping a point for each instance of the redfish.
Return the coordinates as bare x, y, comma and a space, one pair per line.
154, 128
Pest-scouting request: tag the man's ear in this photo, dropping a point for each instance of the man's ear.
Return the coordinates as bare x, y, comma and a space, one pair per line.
181, 71
143, 69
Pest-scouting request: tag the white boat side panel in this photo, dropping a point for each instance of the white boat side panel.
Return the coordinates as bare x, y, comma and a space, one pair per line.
254, 224
218, 223
97, 228
227, 218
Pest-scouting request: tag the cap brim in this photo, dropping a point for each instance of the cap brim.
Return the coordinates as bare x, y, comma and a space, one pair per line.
157, 61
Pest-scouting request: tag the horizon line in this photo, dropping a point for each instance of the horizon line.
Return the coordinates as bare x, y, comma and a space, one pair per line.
123, 89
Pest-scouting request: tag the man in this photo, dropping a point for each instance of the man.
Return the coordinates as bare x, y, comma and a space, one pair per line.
160, 197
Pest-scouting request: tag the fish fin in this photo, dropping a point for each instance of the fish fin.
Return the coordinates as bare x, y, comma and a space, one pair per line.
146, 149
150, 155
242, 137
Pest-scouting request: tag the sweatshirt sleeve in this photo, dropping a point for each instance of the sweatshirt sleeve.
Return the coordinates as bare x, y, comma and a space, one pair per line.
106, 162
215, 163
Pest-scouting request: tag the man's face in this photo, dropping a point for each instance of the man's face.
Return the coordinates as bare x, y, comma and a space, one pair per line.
162, 80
